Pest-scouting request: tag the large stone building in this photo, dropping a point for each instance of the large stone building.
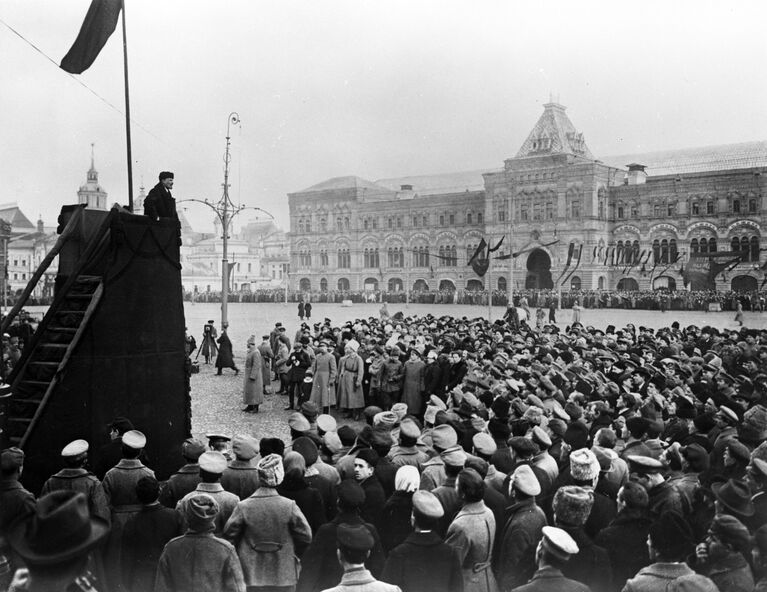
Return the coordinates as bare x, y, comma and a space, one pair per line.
569, 219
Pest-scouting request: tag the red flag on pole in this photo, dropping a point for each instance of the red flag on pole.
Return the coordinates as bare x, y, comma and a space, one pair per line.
99, 24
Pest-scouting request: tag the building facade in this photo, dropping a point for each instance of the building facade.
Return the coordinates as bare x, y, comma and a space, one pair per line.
565, 218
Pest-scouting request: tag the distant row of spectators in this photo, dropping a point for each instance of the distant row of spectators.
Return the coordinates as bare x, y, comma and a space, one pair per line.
644, 300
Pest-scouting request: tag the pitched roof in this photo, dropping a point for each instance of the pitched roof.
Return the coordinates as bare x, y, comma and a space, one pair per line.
350, 182
696, 160
554, 133
12, 214
436, 184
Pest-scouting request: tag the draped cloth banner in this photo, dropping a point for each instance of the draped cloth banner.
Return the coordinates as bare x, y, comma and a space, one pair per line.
702, 268
99, 24
480, 260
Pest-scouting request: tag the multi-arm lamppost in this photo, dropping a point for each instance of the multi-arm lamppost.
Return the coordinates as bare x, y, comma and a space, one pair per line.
226, 210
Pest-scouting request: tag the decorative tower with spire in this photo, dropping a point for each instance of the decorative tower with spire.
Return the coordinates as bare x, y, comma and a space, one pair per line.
92, 194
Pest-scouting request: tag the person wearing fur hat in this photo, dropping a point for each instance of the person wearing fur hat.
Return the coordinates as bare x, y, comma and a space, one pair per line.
668, 542
159, 202
215, 566
268, 530
722, 556
591, 566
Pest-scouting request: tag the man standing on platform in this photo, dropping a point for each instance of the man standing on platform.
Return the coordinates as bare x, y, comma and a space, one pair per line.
159, 203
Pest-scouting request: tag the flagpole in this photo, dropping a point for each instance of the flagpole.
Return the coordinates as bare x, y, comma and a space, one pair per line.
127, 113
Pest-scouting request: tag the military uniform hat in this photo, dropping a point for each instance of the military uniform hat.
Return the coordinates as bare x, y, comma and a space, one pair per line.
134, 439
645, 465
213, 462
400, 410
326, 422
430, 415
454, 457
409, 429
75, 448
760, 466
444, 436
437, 402
427, 504
310, 409
191, 449
484, 444
731, 531
385, 418
524, 480
541, 438
559, 543
298, 422
244, 447
728, 414
11, 458
214, 437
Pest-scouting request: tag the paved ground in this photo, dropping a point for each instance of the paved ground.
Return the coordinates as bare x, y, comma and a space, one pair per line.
216, 400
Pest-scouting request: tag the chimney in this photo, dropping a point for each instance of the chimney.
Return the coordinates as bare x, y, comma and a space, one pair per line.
636, 174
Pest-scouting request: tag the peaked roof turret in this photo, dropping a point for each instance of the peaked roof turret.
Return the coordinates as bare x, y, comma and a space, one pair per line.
554, 133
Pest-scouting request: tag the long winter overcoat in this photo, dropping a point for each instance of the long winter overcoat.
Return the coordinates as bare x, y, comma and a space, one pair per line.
413, 385
265, 530
323, 389
253, 391
350, 371
472, 534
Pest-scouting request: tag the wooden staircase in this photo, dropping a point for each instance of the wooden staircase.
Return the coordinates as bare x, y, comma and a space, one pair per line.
35, 376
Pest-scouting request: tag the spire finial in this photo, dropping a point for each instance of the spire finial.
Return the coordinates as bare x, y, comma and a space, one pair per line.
92, 159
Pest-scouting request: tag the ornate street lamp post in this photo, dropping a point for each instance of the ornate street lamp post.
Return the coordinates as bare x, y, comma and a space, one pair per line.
226, 210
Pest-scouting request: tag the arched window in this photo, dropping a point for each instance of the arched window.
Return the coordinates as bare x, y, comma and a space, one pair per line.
704, 245
694, 245
479, 217
308, 225
301, 225
754, 248
365, 224
736, 206
454, 256
343, 285
735, 244
664, 251
712, 245
346, 222
656, 251
442, 255
672, 250
323, 285
575, 283
695, 208
468, 218
323, 224
501, 284
752, 206
744, 248
710, 207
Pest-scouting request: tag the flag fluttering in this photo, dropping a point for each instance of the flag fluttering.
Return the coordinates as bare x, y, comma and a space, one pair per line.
99, 24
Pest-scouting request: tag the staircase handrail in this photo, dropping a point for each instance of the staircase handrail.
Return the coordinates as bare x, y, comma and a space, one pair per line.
93, 245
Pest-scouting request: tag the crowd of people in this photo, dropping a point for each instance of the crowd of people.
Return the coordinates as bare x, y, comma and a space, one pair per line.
486, 457
641, 299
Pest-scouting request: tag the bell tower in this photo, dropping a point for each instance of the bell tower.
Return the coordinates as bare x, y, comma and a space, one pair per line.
92, 194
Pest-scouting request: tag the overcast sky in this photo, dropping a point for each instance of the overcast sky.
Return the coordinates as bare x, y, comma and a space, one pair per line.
374, 89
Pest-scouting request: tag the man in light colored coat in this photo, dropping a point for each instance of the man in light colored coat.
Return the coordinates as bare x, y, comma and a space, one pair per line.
269, 531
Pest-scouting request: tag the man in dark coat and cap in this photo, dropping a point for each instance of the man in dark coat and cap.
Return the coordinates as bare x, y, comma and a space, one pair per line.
424, 562
319, 565
553, 553
159, 203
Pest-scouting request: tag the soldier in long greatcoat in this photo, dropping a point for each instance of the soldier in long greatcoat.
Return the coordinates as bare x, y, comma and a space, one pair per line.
350, 372
253, 390
324, 370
